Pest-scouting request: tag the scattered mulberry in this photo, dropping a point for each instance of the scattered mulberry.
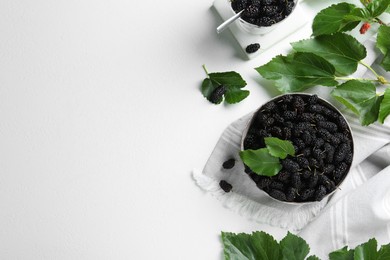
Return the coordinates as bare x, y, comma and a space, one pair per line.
252, 48
306, 137
319, 142
225, 186
299, 143
216, 95
287, 98
276, 131
267, 2
239, 5
298, 104
319, 118
342, 123
287, 133
318, 154
229, 164
306, 174
269, 121
279, 119
306, 152
283, 176
289, 8
306, 117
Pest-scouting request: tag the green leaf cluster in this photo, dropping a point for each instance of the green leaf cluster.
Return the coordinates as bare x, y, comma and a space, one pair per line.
331, 56
231, 80
260, 245
265, 161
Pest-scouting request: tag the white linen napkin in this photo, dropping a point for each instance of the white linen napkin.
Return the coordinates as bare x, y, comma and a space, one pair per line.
359, 211
249, 201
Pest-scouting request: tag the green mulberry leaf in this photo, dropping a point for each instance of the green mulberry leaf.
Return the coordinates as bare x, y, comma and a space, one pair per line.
384, 109
367, 251
342, 254
258, 245
298, 71
279, 148
361, 98
261, 161
234, 95
332, 19
383, 44
342, 50
294, 247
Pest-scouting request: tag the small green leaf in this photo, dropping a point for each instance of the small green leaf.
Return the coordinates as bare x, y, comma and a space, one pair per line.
384, 109
342, 254
342, 50
258, 245
294, 247
367, 251
384, 252
261, 161
208, 87
383, 44
313, 257
361, 98
298, 72
228, 79
234, 95
279, 148
377, 7
331, 19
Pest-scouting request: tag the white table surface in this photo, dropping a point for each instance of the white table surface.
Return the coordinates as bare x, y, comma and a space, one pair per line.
102, 122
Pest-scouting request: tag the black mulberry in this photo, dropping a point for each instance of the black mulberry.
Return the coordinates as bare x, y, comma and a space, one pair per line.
216, 95
295, 180
303, 162
252, 48
277, 194
225, 186
306, 194
290, 165
331, 127
229, 164
341, 152
320, 193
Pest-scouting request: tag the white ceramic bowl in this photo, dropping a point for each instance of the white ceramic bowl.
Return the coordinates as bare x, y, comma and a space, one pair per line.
259, 30
324, 103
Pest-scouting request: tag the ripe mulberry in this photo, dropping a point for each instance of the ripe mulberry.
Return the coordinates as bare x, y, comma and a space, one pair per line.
277, 194
306, 194
252, 48
320, 193
216, 95
225, 186
290, 165
229, 164
331, 127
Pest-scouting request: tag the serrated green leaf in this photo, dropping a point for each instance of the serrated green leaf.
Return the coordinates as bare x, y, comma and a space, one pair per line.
386, 62
294, 247
342, 254
331, 19
208, 87
313, 257
384, 109
258, 245
279, 148
298, 71
342, 50
261, 161
377, 7
361, 98
228, 79
383, 44
384, 252
367, 251
234, 95
358, 15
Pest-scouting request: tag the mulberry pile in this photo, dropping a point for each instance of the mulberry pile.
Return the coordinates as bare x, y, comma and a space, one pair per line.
263, 12
322, 141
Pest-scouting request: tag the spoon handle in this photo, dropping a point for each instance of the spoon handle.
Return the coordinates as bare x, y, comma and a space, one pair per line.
226, 23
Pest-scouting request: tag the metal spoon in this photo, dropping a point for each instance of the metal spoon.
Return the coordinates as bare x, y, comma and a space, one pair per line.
226, 23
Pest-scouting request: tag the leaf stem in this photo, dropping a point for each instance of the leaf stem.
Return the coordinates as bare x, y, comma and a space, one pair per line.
361, 79
205, 70
369, 67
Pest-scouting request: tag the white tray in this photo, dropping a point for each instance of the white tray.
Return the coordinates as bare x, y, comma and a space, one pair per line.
292, 23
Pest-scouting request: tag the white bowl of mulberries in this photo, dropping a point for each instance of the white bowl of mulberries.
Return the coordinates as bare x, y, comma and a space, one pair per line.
262, 16
297, 148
